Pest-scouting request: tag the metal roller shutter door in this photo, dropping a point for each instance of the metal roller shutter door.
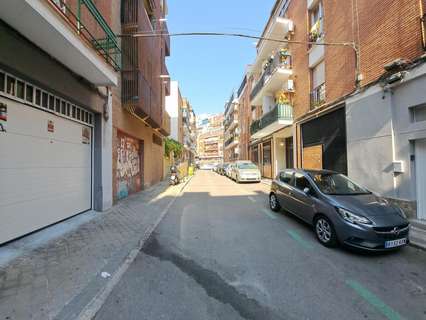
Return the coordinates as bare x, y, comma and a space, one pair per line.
45, 176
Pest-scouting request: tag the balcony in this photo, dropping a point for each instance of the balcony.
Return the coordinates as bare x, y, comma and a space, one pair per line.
166, 82
166, 39
78, 36
165, 127
273, 77
279, 117
316, 51
318, 96
279, 28
231, 142
139, 98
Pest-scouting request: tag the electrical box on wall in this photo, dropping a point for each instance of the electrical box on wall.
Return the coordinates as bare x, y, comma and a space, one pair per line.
398, 167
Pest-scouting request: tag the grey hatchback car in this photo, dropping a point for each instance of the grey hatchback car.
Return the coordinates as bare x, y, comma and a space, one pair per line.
339, 210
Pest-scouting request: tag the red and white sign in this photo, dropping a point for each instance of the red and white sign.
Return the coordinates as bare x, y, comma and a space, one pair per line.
50, 126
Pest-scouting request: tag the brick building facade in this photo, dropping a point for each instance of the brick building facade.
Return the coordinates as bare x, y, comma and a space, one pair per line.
350, 83
139, 117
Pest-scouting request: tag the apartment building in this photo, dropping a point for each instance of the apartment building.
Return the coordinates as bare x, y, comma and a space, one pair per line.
174, 107
272, 98
58, 63
245, 115
210, 134
189, 131
346, 88
183, 121
231, 144
139, 118
81, 111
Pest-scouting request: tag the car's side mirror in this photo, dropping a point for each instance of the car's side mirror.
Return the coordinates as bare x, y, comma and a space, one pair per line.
307, 191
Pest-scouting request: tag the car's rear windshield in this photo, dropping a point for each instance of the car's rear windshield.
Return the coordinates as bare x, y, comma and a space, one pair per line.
247, 165
337, 184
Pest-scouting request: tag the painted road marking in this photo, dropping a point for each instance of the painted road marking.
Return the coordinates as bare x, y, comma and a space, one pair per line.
251, 199
269, 213
375, 301
296, 236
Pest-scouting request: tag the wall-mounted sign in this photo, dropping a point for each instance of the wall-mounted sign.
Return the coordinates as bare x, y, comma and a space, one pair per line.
50, 126
85, 135
3, 117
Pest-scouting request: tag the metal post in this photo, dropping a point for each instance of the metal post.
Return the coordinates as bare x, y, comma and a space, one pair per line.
78, 16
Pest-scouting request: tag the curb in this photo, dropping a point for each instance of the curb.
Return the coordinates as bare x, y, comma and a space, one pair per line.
93, 307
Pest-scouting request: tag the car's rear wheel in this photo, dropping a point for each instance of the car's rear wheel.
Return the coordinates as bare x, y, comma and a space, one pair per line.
274, 203
325, 232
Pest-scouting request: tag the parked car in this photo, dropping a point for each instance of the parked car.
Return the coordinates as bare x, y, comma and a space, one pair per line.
340, 210
221, 169
216, 167
207, 166
228, 170
245, 171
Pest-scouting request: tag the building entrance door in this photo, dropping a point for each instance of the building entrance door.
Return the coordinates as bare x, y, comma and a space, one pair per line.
421, 178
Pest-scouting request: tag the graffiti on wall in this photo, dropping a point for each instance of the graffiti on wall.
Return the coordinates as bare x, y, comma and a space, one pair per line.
128, 166
3, 117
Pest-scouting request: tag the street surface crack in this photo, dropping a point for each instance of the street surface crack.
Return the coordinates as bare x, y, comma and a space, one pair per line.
214, 285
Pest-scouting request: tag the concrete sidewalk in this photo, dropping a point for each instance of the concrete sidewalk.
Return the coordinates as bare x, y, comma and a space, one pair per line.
56, 272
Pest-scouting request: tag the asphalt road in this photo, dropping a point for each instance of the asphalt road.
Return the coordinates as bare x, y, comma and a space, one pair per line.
220, 253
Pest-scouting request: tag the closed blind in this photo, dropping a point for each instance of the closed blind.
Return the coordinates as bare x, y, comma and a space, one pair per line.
318, 75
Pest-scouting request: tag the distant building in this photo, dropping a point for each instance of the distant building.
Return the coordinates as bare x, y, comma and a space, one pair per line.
231, 129
210, 138
182, 121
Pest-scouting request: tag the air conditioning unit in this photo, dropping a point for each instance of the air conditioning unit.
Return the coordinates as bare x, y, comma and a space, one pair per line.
289, 85
290, 26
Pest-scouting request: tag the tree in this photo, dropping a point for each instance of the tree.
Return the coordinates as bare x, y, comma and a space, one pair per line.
172, 147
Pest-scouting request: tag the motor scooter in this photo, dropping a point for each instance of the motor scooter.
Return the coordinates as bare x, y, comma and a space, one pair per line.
174, 176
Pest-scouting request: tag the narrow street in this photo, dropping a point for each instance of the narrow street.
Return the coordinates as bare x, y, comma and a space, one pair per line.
220, 253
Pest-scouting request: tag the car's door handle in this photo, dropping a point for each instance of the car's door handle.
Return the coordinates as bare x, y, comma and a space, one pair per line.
290, 193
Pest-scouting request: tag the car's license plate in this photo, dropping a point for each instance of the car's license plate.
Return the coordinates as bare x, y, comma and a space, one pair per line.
395, 243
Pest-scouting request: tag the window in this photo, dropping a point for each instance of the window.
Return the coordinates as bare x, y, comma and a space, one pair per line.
318, 85
149, 7
10, 85
289, 152
418, 113
38, 97
267, 153
29, 94
316, 25
318, 75
2, 81
286, 176
44, 100
337, 184
51, 102
300, 182
32, 95
20, 89
57, 105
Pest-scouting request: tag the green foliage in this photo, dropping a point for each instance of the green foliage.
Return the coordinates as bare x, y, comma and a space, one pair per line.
172, 146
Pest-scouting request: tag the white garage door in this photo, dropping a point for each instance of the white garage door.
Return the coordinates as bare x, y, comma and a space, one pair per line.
45, 170
421, 178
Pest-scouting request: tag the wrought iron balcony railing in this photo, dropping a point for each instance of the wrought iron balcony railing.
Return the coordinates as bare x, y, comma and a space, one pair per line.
280, 60
318, 96
279, 112
89, 23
